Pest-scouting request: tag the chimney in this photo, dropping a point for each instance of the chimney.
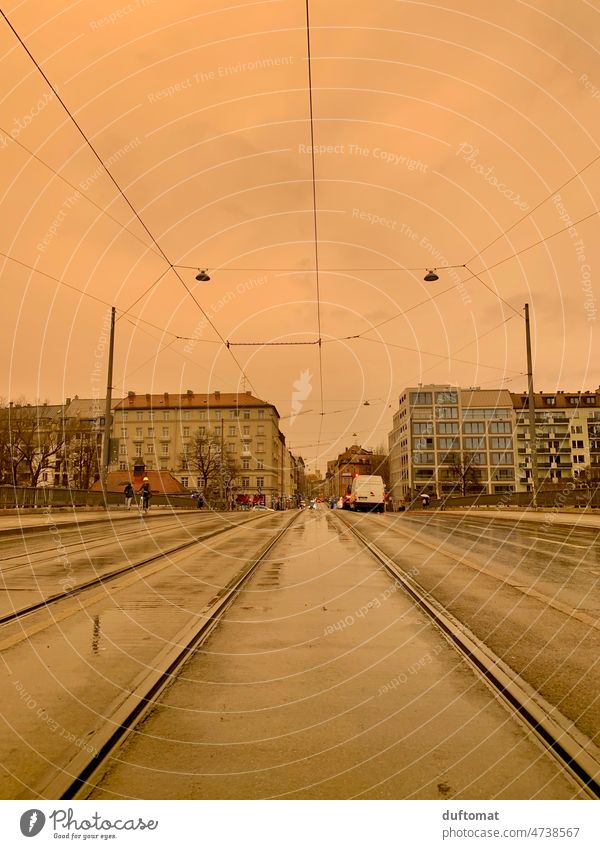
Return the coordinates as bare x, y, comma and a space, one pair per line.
248, 392
148, 398
166, 397
68, 402
131, 396
190, 393
217, 395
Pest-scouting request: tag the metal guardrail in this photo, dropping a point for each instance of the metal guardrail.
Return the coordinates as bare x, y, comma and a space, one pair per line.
25, 497
546, 500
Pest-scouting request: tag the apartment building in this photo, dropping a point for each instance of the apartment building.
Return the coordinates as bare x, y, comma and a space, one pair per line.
567, 437
446, 439
157, 431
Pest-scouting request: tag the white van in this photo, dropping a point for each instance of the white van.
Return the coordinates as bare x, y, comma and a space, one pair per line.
368, 493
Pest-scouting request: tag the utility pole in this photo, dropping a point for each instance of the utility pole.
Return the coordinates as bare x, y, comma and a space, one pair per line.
532, 433
108, 413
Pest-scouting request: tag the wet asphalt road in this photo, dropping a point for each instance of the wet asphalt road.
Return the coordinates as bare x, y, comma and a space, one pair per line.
325, 681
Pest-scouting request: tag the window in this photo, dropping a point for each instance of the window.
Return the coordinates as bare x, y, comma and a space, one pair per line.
448, 444
423, 443
139, 431
474, 427
231, 447
447, 397
164, 449
503, 474
150, 431
184, 482
421, 427
187, 415
247, 414
260, 482
246, 430
124, 432
478, 459
138, 448
234, 414
423, 458
151, 415
201, 431
245, 464
447, 427
218, 430
577, 443
578, 458
260, 430
421, 398
217, 415
446, 412
260, 447
245, 483
576, 429
123, 448
501, 442
166, 415
500, 427
260, 464
423, 413
261, 414
504, 459
200, 483
186, 431
149, 448
125, 415
165, 431
139, 417
573, 400
202, 415
232, 429
122, 467
473, 442
590, 399
550, 400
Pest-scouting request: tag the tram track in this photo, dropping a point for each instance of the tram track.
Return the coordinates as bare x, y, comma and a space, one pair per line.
78, 776
576, 753
106, 577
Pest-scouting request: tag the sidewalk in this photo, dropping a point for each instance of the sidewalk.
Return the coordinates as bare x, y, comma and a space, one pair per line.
17, 520
582, 518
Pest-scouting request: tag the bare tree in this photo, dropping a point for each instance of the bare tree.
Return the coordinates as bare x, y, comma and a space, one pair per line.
203, 456
463, 471
38, 437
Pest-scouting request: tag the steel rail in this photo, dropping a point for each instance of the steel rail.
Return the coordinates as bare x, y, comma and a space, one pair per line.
122, 570
79, 777
576, 753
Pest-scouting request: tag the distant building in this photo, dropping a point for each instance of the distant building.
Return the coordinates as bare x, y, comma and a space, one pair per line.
442, 433
353, 461
158, 431
567, 437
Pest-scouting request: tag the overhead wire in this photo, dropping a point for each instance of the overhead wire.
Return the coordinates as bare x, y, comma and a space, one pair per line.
537, 206
80, 192
314, 199
121, 192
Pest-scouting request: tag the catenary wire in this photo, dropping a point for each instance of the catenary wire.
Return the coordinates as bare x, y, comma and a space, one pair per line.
122, 193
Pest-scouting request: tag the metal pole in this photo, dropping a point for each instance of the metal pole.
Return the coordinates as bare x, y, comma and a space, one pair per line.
108, 413
532, 434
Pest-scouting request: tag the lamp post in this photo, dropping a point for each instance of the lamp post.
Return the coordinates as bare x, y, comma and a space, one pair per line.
531, 398
108, 413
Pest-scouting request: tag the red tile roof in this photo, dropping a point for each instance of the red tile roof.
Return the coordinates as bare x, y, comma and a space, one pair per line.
190, 400
161, 483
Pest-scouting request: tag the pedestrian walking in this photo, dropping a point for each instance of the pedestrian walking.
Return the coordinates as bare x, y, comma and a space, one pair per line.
424, 500
145, 492
128, 493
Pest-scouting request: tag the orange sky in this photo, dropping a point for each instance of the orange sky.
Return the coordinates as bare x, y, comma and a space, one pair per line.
438, 127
